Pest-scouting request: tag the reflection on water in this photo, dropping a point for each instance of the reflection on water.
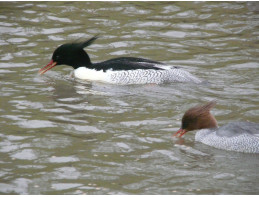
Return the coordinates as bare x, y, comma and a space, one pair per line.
60, 135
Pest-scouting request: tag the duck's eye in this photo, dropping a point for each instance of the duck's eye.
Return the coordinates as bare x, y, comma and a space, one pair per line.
57, 57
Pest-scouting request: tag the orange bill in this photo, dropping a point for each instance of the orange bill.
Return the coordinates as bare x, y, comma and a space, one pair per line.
181, 132
49, 66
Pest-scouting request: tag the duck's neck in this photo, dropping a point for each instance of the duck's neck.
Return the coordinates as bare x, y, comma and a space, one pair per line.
82, 60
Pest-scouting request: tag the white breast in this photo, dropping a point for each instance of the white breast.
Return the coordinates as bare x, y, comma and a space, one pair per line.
91, 74
139, 76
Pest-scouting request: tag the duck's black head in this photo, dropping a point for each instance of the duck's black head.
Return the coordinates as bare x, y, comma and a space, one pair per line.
71, 54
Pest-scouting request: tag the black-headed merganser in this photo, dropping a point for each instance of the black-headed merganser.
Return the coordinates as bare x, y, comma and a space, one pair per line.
122, 70
234, 136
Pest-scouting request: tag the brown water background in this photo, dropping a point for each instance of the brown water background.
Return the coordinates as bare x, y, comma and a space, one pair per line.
59, 135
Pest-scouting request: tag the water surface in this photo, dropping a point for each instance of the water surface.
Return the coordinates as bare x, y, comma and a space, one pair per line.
60, 135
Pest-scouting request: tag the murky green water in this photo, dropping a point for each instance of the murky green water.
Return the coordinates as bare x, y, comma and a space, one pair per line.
64, 136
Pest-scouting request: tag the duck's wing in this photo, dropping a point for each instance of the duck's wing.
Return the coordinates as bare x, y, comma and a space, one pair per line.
238, 128
130, 63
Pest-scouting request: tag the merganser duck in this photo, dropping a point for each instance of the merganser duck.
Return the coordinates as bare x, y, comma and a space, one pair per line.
234, 136
122, 70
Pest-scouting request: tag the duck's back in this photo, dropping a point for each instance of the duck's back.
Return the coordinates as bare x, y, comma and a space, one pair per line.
238, 128
128, 63
235, 136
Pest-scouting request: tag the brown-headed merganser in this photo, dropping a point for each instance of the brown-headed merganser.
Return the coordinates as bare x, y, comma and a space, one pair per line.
234, 136
122, 70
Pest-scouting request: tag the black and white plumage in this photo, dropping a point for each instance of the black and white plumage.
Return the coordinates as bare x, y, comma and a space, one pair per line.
123, 70
136, 76
234, 136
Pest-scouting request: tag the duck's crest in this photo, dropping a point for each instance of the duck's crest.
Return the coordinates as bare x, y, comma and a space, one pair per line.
88, 42
201, 109
81, 45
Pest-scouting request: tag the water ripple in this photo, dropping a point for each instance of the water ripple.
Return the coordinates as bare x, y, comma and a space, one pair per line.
60, 135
